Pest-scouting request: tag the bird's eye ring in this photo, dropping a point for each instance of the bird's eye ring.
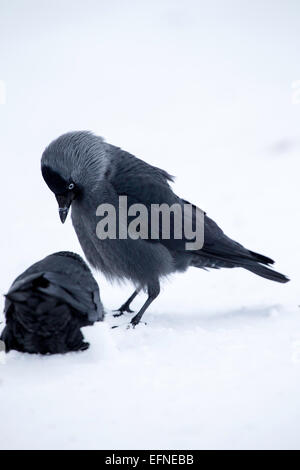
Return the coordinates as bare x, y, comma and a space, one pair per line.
71, 186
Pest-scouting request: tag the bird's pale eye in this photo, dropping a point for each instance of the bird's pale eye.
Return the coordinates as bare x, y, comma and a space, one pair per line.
71, 186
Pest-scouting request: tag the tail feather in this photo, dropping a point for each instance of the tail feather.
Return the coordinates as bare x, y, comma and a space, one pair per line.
267, 273
261, 258
221, 251
249, 260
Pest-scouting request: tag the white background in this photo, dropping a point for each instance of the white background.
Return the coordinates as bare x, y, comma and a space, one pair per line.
204, 90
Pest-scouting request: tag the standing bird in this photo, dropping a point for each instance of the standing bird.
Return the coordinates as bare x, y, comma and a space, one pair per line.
48, 304
83, 171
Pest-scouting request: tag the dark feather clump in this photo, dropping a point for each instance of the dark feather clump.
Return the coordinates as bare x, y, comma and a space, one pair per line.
48, 304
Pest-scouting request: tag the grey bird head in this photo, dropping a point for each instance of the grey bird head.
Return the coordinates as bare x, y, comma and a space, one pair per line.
72, 162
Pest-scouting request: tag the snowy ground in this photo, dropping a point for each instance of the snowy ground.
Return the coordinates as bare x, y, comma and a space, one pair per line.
206, 93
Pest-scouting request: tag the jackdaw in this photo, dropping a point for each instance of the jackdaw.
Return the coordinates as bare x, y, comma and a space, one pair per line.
48, 304
84, 171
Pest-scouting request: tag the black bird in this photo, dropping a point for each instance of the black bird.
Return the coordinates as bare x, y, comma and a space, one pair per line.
84, 171
48, 304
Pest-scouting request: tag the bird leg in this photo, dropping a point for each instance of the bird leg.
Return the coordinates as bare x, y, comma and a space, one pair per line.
126, 306
153, 291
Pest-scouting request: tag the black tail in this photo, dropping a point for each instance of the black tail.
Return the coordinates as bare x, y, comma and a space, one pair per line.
267, 273
264, 271
220, 251
261, 258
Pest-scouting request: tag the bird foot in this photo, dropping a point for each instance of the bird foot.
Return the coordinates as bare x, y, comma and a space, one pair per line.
130, 326
116, 315
120, 311
133, 324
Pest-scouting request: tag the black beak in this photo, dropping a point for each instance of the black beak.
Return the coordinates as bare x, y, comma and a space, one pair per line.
64, 203
63, 212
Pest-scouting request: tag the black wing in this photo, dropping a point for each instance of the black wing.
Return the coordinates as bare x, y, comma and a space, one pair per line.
142, 183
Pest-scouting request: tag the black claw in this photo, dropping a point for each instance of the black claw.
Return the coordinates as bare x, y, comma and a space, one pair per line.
116, 315
133, 324
121, 310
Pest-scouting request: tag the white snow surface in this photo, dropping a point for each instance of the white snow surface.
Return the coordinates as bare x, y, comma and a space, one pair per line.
203, 90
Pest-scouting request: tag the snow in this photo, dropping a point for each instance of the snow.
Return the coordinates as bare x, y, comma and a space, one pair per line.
206, 92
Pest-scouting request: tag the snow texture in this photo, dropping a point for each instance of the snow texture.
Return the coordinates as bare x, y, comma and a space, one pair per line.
205, 91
